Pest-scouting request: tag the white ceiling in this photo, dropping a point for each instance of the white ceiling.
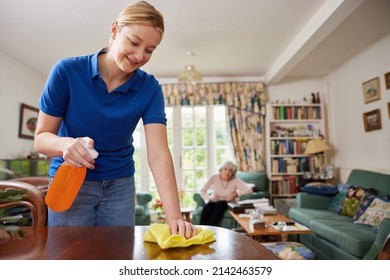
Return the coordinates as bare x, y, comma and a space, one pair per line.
273, 40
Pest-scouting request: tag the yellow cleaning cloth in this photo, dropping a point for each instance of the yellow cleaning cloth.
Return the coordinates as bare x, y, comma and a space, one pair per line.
161, 234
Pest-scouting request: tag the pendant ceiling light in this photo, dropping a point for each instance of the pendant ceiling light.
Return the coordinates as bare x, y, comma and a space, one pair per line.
190, 75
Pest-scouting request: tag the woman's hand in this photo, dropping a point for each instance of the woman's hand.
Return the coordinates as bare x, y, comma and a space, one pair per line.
183, 228
213, 198
231, 197
75, 154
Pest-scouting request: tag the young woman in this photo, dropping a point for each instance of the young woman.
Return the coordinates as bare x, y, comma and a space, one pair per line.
226, 188
100, 98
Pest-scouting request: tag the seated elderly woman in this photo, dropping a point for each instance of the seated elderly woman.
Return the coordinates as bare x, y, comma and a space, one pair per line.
226, 188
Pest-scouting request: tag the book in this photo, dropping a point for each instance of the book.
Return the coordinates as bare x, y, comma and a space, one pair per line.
294, 227
239, 208
255, 200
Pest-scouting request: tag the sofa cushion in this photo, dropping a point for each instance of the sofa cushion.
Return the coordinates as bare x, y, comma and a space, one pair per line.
352, 201
364, 203
353, 238
378, 209
306, 215
337, 202
320, 188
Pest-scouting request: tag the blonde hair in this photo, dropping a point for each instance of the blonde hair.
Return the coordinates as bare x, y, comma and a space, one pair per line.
141, 12
229, 164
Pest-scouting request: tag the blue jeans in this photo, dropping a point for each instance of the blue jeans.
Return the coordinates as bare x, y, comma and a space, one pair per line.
100, 203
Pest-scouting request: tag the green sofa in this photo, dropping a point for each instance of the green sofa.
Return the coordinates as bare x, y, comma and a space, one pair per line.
335, 236
259, 179
142, 213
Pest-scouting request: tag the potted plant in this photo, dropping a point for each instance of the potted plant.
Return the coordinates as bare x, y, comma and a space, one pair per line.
158, 208
8, 223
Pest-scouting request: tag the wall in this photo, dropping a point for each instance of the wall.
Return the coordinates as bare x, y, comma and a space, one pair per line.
341, 92
18, 84
355, 148
297, 90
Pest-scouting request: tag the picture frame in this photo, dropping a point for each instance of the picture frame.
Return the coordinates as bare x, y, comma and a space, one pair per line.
388, 109
387, 80
372, 120
371, 90
27, 121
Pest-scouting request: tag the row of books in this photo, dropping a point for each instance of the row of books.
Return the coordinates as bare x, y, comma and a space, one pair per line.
297, 113
285, 185
316, 164
290, 165
288, 147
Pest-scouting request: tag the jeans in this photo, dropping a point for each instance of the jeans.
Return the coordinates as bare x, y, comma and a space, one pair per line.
100, 203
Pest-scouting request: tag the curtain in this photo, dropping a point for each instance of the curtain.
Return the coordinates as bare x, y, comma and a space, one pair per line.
245, 102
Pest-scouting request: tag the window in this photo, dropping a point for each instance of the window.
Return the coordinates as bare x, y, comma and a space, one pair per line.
199, 143
194, 146
138, 153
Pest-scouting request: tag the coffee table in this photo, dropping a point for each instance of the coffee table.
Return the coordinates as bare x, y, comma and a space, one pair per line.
269, 230
186, 213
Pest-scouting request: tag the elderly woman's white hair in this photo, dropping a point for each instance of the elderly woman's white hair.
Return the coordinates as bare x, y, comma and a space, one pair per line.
231, 165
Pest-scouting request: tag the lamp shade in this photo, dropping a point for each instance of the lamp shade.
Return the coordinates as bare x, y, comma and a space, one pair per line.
316, 146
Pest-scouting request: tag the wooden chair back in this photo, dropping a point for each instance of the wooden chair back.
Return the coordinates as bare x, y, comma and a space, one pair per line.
41, 182
34, 201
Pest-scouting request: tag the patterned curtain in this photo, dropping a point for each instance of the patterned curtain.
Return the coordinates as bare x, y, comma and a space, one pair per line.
245, 102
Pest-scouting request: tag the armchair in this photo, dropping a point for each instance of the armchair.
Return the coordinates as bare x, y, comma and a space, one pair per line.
41, 182
142, 213
259, 179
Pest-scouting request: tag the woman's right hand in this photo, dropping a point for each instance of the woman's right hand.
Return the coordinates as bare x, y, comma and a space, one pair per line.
231, 197
76, 155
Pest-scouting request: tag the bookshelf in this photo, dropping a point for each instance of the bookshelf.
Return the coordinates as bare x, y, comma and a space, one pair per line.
289, 127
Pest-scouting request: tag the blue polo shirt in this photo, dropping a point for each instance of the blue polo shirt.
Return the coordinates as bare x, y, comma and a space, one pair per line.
76, 92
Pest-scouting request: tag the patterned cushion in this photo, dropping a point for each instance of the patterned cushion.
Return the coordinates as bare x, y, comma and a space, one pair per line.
364, 203
352, 201
320, 188
290, 250
337, 202
378, 209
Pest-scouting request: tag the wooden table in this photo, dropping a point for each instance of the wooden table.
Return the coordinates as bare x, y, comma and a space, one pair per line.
124, 243
269, 230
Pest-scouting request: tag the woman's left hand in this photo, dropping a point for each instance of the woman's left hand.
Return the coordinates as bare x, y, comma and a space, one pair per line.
183, 228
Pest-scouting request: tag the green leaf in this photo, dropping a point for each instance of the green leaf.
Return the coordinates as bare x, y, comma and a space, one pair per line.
13, 219
12, 230
11, 194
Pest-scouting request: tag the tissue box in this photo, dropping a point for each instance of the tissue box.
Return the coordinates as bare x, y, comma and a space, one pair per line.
256, 224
